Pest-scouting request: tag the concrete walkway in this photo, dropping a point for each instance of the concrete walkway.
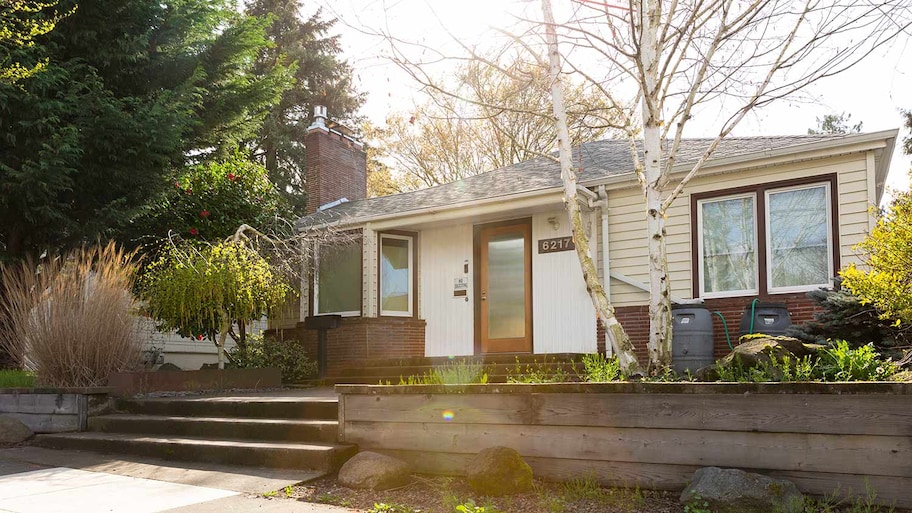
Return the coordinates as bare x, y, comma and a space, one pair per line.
38, 480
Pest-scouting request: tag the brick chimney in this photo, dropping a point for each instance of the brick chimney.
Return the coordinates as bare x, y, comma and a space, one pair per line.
336, 163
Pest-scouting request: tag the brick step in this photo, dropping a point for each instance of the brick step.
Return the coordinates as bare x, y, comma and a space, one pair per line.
280, 430
310, 408
321, 457
511, 358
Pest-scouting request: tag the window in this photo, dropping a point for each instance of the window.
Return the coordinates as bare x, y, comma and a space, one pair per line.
338, 280
396, 275
768, 239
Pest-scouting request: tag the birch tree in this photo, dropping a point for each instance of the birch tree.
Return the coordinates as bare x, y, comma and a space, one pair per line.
681, 55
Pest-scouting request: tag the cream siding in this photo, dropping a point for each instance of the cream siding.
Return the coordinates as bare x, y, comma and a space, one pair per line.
370, 263
627, 224
450, 320
562, 313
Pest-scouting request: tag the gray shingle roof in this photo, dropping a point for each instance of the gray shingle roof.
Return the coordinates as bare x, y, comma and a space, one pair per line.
600, 159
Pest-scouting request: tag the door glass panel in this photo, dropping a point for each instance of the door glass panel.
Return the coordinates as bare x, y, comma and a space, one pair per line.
394, 275
506, 286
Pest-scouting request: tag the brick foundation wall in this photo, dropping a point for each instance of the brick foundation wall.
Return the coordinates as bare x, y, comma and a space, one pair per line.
635, 319
363, 338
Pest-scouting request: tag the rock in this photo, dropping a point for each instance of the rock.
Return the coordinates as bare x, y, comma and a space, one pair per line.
736, 491
757, 350
373, 471
13, 431
168, 367
499, 471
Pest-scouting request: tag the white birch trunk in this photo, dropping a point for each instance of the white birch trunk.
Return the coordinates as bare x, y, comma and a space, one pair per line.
659, 345
620, 342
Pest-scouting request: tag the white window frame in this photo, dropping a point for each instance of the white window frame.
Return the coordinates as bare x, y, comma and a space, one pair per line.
316, 282
702, 272
411, 276
828, 202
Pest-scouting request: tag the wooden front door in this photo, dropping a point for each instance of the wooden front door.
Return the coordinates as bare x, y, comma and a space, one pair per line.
504, 292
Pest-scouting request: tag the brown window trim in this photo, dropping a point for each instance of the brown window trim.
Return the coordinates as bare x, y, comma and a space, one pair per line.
476, 276
414, 237
760, 191
312, 297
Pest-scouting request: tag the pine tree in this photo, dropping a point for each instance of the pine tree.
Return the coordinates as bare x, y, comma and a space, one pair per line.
320, 78
131, 90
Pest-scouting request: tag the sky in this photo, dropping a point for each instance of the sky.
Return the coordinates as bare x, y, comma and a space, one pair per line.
873, 92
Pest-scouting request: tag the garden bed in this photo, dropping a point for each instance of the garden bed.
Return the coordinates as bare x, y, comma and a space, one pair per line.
54, 410
144, 382
826, 437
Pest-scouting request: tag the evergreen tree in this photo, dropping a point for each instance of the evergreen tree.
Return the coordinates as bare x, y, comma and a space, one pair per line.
320, 78
130, 90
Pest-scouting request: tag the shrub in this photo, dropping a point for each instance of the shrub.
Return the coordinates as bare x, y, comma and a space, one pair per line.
288, 355
71, 319
843, 316
839, 362
598, 369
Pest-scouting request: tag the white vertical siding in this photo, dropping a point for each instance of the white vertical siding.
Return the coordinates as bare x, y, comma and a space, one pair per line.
369, 272
563, 316
627, 224
450, 320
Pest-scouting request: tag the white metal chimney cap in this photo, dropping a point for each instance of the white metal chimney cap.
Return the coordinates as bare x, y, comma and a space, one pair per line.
319, 117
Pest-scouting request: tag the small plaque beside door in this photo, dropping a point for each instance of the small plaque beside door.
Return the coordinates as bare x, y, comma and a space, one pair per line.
555, 245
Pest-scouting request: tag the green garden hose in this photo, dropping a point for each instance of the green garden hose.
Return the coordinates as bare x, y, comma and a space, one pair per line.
753, 306
725, 325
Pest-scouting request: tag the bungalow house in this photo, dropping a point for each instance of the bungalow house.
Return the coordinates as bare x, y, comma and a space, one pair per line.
486, 264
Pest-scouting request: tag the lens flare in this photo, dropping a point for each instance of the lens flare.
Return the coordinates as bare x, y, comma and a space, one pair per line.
448, 415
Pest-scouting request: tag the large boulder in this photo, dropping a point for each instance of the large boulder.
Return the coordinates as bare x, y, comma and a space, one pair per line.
373, 471
13, 431
736, 491
499, 471
758, 350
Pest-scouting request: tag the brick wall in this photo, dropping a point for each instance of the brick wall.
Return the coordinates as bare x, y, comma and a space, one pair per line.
363, 338
336, 168
635, 319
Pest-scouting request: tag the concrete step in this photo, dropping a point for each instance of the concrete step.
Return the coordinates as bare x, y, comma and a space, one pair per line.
321, 457
310, 408
280, 430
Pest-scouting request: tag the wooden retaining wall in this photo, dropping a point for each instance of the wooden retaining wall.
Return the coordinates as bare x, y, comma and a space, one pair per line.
839, 437
54, 410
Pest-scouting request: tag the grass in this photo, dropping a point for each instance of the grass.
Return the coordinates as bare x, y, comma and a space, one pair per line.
14, 378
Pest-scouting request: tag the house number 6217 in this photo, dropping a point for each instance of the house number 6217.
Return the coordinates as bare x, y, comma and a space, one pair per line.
556, 244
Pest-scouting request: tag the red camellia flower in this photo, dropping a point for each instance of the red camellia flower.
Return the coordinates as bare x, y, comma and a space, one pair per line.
189, 191
177, 184
194, 231
231, 176
204, 214
199, 337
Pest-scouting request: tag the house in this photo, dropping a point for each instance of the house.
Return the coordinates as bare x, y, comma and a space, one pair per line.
486, 264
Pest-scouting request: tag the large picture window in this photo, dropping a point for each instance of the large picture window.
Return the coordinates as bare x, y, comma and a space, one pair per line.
338, 280
396, 275
768, 239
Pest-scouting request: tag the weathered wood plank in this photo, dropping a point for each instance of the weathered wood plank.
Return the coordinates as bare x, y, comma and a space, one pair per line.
475, 409
895, 491
852, 454
787, 413
39, 403
47, 422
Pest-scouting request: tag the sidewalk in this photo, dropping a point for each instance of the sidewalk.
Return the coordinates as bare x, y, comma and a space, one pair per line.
37, 480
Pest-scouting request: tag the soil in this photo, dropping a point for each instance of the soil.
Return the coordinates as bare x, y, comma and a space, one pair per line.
434, 494
427, 494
